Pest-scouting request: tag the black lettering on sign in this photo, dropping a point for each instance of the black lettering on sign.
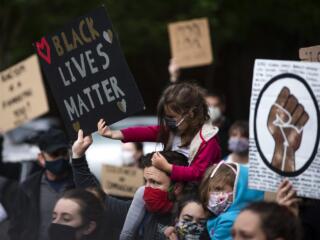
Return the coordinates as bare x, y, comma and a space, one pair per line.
12, 73
311, 54
17, 99
189, 36
121, 187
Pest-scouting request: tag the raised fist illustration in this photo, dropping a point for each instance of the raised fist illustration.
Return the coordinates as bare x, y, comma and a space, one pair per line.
286, 120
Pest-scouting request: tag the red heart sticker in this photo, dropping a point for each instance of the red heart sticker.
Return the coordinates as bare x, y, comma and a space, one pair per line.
44, 50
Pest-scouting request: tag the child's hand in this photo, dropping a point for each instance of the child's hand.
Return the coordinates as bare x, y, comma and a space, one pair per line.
169, 232
80, 146
103, 129
161, 163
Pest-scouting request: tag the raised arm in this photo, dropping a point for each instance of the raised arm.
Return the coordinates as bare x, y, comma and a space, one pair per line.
132, 134
105, 131
82, 176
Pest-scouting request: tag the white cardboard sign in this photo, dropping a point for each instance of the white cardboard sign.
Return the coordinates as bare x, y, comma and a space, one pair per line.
284, 126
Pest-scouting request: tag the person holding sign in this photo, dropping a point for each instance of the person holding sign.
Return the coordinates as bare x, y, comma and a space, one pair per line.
160, 192
185, 127
308, 210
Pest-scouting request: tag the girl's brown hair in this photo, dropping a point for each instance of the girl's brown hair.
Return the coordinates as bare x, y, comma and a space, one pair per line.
183, 98
223, 176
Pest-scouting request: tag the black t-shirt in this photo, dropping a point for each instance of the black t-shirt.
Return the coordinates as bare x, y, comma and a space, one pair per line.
310, 216
153, 226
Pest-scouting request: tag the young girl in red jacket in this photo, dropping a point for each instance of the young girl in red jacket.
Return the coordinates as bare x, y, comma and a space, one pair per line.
184, 126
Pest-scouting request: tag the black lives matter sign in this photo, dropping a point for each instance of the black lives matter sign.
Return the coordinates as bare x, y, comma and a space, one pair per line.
88, 74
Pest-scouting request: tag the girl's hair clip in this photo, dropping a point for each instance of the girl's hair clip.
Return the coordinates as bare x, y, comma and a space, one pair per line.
219, 164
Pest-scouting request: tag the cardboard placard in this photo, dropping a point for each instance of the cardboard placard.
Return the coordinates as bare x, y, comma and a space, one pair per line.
23, 96
311, 54
284, 126
190, 42
121, 181
88, 74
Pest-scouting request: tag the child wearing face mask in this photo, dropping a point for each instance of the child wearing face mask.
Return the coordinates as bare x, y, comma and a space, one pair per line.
224, 192
190, 220
238, 143
185, 127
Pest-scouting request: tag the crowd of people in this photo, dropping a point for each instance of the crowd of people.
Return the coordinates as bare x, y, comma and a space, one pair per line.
195, 188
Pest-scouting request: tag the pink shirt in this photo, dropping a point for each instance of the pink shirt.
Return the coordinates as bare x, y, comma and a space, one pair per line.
208, 153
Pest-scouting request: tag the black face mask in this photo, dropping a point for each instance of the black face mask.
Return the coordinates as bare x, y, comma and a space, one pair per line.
61, 232
171, 123
58, 166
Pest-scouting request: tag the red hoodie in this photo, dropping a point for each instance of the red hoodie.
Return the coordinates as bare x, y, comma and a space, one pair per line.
207, 153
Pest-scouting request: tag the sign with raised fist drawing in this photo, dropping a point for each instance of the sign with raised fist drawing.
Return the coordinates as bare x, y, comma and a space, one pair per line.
284, 126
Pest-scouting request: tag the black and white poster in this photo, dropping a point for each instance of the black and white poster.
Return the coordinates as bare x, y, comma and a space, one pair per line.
284, 126
88, 74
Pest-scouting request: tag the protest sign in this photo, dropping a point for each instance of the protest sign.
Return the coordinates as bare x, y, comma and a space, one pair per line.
190, 42
311, 54
121, 181
87, 73
22, 95
284, 126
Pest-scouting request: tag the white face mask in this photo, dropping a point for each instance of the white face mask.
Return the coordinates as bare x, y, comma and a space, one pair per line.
214, 113
127, 157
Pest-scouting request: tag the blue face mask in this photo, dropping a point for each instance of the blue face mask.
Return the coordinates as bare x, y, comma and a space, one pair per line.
238, 145
58, 166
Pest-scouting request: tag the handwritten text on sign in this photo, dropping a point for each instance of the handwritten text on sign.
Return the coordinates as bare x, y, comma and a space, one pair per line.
121, 181
284, 126
22, 94
311, 54
190, 42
